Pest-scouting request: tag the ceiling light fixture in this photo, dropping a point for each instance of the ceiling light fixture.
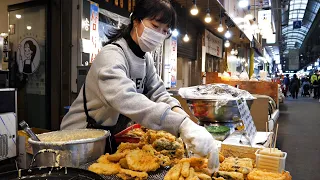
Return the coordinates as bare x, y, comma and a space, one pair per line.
29, 27
186, 38
220, 28
243, 3
194, 10
227, 44
249, 16
208, 18
175, 33
18, 16
227, 34
232, 52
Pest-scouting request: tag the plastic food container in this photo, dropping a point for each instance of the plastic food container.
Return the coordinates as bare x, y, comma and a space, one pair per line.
120, 137
271, 163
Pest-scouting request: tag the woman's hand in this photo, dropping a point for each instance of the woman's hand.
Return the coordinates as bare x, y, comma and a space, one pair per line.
200, 141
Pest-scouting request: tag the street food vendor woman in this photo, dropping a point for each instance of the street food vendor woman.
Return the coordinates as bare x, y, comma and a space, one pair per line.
122, 83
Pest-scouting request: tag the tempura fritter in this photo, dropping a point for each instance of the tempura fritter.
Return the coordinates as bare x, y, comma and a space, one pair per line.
105, 169
140, 160
129, 174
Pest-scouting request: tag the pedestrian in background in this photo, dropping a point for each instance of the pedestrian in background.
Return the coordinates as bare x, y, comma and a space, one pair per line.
315, 84
286, 82
294, 86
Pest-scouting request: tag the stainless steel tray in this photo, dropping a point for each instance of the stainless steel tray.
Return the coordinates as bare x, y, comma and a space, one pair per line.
157, 175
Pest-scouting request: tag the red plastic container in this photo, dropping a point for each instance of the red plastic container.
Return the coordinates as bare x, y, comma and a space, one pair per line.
121, 138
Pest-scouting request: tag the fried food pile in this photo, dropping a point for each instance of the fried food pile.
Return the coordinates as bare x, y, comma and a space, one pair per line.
261, 174
244, 169
134, 160
189, 169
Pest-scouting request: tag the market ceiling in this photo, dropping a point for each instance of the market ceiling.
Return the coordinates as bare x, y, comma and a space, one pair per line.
303, 11
215, 9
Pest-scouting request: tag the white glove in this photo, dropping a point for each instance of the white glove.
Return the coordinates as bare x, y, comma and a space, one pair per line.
200, 141
180, 111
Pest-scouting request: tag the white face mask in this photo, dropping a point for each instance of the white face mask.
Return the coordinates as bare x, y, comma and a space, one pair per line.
150, 39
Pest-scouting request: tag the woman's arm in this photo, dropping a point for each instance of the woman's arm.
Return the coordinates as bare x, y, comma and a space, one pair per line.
156, 91
120, 93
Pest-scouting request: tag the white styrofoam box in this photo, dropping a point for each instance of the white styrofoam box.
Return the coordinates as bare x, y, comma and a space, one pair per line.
8, 135
278, 163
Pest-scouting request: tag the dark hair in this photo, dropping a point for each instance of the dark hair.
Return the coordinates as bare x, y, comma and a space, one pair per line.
159, 10
32, 47
295, 76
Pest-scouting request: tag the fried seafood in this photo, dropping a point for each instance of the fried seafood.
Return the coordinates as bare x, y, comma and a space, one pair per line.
242, 165
129, 174
105, 169
117, 156
264, 175
140, 160
128, 146
104, 159
123, 163
229, 175
174, 172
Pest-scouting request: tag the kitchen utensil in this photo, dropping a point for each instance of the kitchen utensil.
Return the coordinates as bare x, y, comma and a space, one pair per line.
26, 128
70, 153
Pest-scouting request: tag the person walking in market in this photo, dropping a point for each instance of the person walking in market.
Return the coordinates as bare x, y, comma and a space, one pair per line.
286, 83
294, 86
122, 84
315, 80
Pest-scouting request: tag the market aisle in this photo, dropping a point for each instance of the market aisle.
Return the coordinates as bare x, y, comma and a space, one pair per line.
299, 136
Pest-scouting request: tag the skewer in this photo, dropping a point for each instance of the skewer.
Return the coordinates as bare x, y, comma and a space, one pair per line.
274, 145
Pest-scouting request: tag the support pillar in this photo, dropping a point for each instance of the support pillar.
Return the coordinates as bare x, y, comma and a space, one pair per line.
251, 65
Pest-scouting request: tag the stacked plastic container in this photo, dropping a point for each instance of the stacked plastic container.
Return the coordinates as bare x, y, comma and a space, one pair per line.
272, 160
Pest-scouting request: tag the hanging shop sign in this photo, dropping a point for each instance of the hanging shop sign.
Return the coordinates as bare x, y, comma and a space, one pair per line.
294, 59
213, 44
90, 32
28, 55
94, 33
264, 16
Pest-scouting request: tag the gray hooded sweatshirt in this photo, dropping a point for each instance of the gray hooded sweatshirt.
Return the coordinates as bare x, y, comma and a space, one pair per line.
114, 85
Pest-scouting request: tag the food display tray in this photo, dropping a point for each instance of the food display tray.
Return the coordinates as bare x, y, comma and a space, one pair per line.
157, 175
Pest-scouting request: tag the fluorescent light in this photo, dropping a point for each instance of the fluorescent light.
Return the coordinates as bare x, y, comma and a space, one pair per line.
175, 33
220, 28
194, 10
243, 3
29, 27
186, 38
227, 44
18, 16
227, 34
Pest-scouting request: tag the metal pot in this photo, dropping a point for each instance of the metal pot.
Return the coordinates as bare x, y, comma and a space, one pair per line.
71, 153
205, 110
